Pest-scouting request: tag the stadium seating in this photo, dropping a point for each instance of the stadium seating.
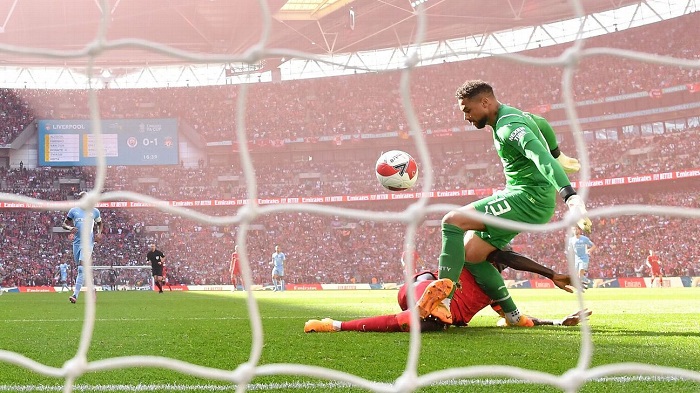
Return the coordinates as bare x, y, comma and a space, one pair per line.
327, 249
369, 103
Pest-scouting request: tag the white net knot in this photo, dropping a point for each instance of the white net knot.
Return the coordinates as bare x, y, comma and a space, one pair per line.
406, 382
571, 217
243, 374
248, 212
571, 56
412, 60
95, 48
573, 379
255, 54
75, 367
415, 213
89, 200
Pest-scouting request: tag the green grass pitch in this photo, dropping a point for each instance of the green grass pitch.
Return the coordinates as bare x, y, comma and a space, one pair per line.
655, 326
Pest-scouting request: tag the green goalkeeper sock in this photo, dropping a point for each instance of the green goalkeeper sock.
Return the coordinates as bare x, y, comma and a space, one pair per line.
491, 282
452, 255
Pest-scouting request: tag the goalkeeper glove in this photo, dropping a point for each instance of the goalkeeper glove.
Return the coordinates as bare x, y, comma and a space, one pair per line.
575, 204
569, 164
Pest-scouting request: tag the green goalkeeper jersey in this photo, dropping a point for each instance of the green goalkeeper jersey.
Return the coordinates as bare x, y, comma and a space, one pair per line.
527, 161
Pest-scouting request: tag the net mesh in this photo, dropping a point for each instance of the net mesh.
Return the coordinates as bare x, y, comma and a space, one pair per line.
411, 218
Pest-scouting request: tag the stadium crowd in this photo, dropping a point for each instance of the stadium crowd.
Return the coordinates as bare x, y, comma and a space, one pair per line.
369, 103
332, 249
282, 179
624, 242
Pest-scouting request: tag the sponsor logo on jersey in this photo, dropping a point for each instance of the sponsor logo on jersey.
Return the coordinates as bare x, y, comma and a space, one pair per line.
517, 134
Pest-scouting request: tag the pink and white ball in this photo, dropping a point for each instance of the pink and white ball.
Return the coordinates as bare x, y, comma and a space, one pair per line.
397, 170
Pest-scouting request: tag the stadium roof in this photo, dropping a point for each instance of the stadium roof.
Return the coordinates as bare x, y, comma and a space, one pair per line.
233, 26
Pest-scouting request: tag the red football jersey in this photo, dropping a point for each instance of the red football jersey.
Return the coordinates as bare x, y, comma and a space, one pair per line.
653, 263
235, 266
466, 302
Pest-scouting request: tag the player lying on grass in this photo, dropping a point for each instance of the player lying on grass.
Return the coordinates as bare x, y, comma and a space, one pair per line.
468, 299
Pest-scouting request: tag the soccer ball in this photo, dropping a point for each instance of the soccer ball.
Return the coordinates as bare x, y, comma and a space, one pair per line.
397, 170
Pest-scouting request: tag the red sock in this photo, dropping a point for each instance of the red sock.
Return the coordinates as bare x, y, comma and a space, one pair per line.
382, 323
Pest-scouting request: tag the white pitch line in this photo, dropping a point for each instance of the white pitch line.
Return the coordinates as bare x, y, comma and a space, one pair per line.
136, 319
53, 320
295, 385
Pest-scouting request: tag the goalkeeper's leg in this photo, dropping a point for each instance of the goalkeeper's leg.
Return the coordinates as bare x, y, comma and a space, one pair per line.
516, 205
455, 252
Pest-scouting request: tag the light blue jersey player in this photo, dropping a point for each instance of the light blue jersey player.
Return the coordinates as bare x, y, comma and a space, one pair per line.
73, 222
63, 276
278, 259
581, 246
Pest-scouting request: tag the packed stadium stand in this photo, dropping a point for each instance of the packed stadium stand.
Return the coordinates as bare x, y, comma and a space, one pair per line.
334, 250
369, 103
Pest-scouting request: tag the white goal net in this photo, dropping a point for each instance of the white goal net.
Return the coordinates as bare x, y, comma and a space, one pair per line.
396, 72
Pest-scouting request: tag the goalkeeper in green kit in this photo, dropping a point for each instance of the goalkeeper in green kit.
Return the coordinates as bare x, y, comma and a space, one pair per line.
535, 172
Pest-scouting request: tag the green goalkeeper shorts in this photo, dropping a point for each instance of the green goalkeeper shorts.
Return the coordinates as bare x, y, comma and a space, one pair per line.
534, 205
